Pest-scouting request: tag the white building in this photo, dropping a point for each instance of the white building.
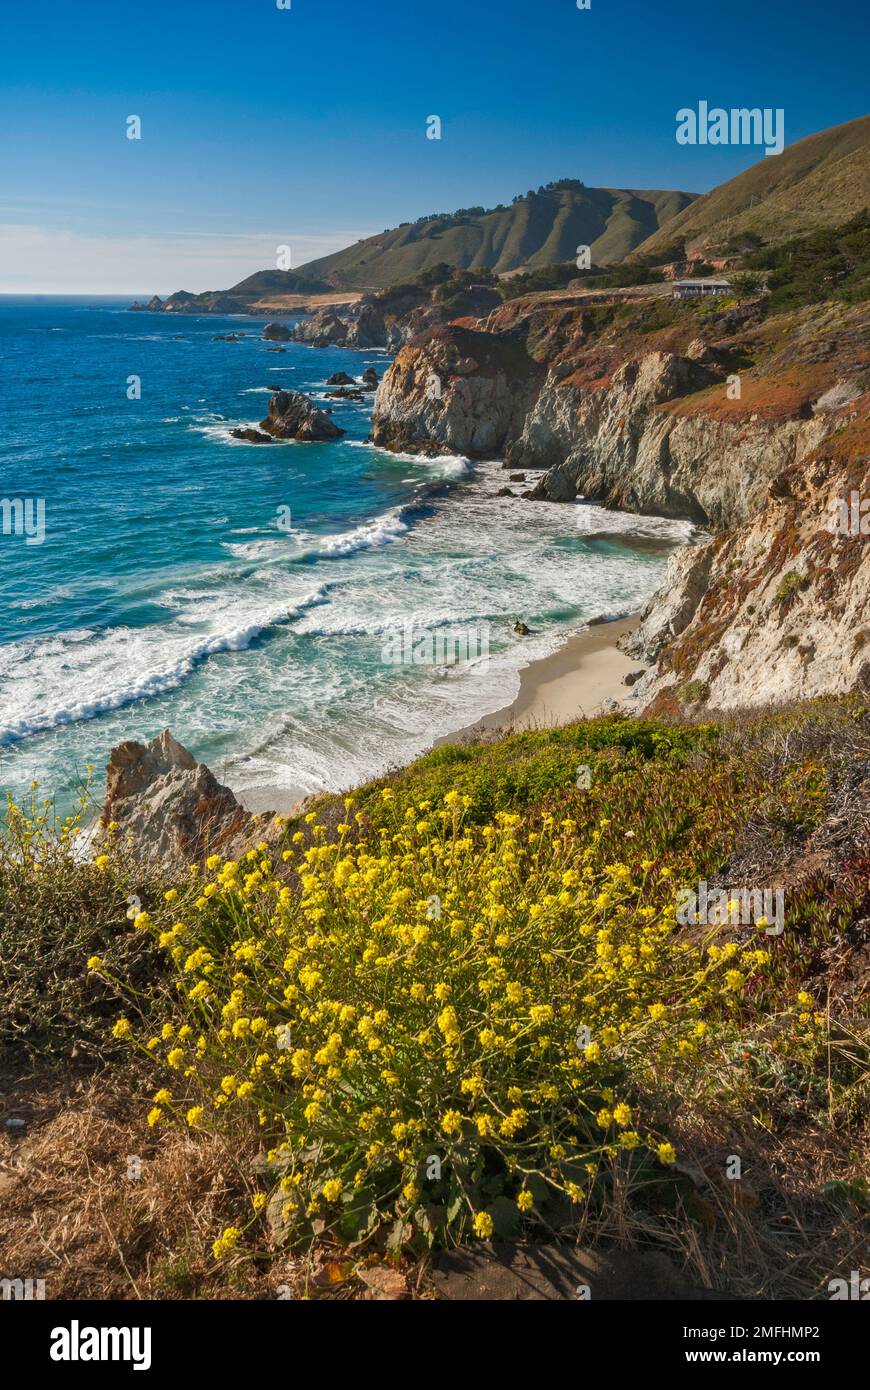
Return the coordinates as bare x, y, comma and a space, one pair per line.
696, 289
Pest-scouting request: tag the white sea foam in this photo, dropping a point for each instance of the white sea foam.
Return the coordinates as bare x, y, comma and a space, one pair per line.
592, 520
311, 703
361, 733
221, 430
441, 465
381, 531
123, 649
42, 600
298, 544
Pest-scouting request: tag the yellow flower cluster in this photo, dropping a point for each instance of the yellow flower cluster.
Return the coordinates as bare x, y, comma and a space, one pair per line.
392, 1009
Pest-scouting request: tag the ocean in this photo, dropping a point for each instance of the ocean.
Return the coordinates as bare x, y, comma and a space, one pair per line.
249, 597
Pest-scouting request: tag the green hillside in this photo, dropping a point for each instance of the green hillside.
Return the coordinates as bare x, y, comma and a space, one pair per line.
821, 181
538, 228
278, 282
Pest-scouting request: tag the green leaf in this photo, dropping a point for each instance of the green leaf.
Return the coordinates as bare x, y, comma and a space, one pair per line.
399, 1235
359, 1220
505, 1218
454, 1207
841, 1191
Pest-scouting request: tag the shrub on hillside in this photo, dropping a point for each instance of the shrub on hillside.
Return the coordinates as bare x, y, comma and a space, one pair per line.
58, 909
448, 1017
832, 263
446, 1028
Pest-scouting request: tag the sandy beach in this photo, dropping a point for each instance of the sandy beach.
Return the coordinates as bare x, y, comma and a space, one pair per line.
571, 683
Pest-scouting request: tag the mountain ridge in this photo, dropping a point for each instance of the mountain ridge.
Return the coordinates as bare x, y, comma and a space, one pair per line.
820, 181
537, 228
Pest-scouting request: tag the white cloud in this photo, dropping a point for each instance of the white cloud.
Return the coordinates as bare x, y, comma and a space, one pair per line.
39, 260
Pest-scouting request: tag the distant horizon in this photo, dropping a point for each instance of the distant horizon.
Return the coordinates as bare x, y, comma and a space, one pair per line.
222, 169
340, 245
752, 153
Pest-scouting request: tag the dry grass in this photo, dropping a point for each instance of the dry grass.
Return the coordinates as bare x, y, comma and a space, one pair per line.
69, 1213
72, 1216
772, 1234
310, 303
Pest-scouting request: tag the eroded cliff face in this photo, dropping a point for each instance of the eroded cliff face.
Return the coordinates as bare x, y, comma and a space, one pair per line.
618, 443
755, 431
776, 610
324, 329
456, 390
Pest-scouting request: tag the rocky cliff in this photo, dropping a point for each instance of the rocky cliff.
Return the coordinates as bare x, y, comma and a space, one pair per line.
324, 329
774, 610
456, 390
751, 425
620, 444
392, 317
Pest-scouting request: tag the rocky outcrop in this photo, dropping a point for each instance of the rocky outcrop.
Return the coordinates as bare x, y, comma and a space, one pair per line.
393, 317
674, 605
325, 329
167, 808
364, 326
251, 436
776, 610
294, 416
620, 444
367, 326
182, 302
225, 304
277, 332
456, 390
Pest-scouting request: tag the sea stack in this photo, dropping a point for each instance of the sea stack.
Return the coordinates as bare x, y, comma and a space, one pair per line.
294, 416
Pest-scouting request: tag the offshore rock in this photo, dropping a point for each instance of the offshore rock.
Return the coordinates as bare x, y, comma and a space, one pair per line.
294, 416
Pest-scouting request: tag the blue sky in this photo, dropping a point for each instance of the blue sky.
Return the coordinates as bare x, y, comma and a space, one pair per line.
306, 126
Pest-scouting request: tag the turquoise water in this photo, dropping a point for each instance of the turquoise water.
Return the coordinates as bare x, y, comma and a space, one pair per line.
166, 593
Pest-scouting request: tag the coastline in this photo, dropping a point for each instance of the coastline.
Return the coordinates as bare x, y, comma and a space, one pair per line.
570, 683
277, 779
